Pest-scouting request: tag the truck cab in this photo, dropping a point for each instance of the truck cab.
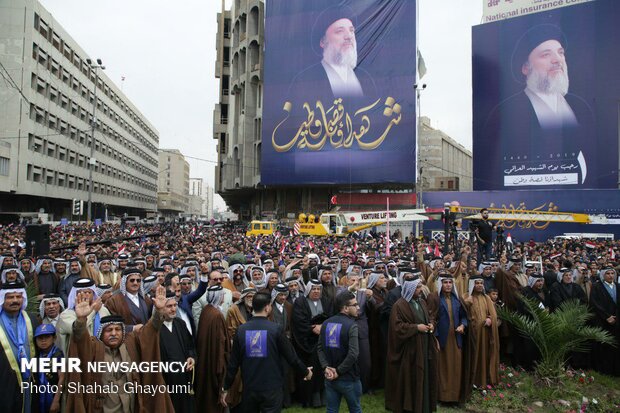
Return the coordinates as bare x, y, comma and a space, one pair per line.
260, 228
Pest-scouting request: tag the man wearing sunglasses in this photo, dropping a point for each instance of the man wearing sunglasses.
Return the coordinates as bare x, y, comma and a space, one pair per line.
131, 304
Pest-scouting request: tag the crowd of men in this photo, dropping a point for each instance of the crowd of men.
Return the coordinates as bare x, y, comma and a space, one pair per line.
264, 323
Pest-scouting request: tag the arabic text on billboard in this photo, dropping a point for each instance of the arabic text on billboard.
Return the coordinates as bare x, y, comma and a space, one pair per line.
339, 103
545, 99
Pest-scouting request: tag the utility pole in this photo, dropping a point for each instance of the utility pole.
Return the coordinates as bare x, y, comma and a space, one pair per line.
93, 124
419, 181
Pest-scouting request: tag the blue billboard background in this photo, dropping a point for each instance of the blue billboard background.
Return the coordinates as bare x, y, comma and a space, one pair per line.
315, 133
512, 147
595, 202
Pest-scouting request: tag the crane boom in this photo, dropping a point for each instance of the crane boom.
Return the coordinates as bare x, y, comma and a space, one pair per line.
510, 214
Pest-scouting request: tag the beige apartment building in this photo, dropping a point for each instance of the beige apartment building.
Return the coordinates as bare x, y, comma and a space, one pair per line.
48, 94
172, 184
446, 164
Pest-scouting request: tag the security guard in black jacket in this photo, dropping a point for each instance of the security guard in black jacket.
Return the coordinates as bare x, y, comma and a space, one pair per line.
257, 347
338, 350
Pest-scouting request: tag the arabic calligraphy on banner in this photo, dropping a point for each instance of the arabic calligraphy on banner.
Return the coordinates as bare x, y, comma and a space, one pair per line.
335, 126
525, 224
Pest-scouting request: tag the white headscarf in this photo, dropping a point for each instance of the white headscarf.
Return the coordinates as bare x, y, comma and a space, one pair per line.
231, 272
20, 275
40, 262
373, 278
21, 290
440, 285
533, 278
310, 284
472, 284
601, 274
275, 292
73, 295
112, 267
263, 283
214, 297
42, 305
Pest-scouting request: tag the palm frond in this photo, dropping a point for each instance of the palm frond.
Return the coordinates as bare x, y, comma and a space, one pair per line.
33, 302
556, 334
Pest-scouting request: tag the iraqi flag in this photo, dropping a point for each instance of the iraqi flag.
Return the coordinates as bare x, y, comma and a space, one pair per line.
298, 249
311, 244
355, 246
132, 232
612, 253
437, 253
590, 244
121, 249
283, 247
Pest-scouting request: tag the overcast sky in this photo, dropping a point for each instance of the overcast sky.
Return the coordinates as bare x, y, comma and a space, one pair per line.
166, 52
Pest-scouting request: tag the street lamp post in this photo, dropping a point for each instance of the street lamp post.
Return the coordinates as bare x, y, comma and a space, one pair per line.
419, 182
93, 124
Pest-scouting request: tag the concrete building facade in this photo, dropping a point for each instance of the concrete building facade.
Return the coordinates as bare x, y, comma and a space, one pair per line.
48, 95
200, 199
446, 164
172, 184
237, 120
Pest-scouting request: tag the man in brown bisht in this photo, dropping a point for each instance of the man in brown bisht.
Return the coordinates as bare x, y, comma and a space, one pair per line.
446, 308
378, 336
411, 372
131, 303
213, 347
113, 345
483, 327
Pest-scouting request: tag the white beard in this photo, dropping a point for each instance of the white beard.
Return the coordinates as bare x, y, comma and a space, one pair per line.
547, 84
337, 58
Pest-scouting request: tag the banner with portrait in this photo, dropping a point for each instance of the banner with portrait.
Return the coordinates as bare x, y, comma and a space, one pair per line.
339, 101
545, 99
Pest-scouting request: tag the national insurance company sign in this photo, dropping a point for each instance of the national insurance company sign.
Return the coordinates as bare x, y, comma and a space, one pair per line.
495, 10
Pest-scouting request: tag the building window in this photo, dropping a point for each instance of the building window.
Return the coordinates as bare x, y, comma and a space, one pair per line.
4, 166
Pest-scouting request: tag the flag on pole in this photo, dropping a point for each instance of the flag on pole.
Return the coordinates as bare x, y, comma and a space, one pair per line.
421, 65
283, 247
437, 252
387, 233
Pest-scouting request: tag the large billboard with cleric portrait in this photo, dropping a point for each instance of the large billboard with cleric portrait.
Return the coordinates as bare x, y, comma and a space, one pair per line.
545, 99
338, 99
